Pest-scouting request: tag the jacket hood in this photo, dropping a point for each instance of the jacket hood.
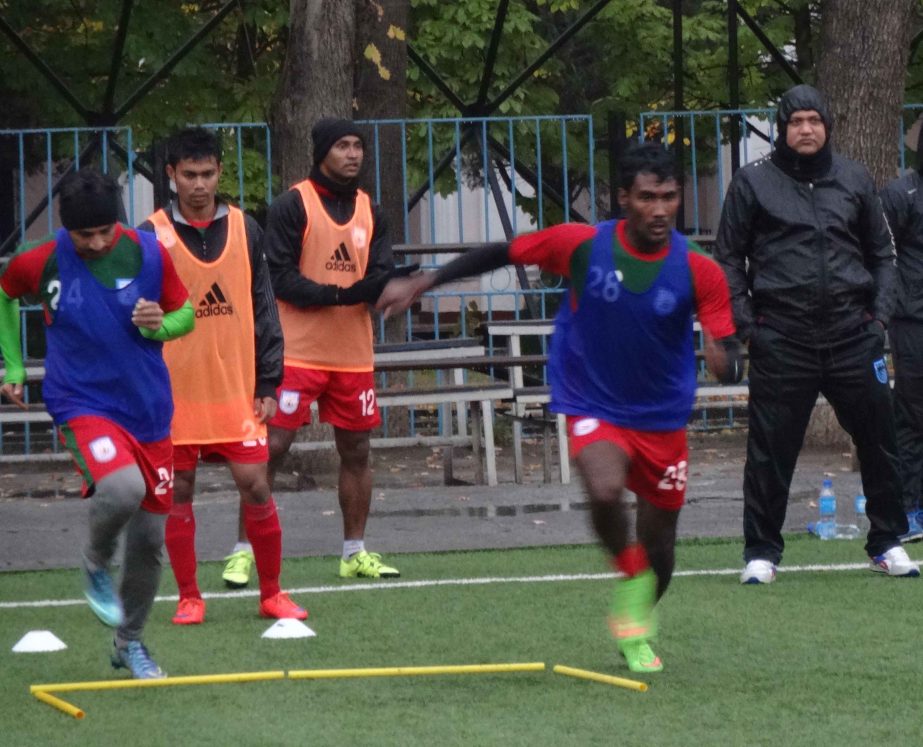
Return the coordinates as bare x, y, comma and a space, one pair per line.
802, 98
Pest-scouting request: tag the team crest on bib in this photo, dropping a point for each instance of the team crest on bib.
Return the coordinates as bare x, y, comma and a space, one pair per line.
102, 449
585, 426
664, 301
881, 370
166, 236
288, 401
360, 237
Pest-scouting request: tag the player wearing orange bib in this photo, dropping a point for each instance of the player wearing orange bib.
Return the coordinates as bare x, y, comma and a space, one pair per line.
329, 255
223, 374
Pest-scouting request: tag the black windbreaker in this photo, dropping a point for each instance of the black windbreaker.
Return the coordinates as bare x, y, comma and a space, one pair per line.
902, 200
813, 259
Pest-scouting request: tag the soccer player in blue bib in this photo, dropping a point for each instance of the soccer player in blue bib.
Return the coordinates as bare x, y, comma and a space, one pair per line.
111, 297
622, 368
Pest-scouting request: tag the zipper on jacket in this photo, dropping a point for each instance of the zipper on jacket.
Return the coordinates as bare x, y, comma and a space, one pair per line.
822, 259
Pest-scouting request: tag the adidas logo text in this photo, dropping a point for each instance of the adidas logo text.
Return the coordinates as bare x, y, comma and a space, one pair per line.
340, 260
214, 304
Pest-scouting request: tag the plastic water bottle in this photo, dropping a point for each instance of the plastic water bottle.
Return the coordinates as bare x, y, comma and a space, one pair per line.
862, 521
826, 521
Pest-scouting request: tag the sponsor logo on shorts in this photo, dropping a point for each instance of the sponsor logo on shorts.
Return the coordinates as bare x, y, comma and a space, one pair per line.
585, 426
340, 260
881, 370
288, 401
253, 443
214, 303
664, 302
103, 449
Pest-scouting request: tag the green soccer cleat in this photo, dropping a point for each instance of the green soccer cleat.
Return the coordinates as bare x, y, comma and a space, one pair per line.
632, 613
237, 569
366, 565
639, 656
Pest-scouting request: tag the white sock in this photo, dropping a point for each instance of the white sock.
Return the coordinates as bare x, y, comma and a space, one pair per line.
241, 546
351, 547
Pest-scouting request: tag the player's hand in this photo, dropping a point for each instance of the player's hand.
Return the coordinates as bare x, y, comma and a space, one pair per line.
401, 293
147, 314
264, 408
715, 357
14, 392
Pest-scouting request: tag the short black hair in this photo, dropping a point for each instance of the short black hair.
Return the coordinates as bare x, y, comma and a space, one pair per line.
89, 198
194, 143
646, 158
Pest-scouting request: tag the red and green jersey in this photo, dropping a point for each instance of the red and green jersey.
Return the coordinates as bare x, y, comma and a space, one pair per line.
33, 271
566, 249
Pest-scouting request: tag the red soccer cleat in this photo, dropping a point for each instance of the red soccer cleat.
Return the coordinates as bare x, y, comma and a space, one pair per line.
190, 611
281, 606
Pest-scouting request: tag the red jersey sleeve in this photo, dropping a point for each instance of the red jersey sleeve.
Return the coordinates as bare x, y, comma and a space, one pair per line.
23, 274
712, 298
551, 248
173, 293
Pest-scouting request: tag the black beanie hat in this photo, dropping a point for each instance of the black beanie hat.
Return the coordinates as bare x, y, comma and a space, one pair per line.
327, 131
89, 199
802, 98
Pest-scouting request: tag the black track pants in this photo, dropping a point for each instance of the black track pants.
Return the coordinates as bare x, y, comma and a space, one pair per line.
907, 350
786, 377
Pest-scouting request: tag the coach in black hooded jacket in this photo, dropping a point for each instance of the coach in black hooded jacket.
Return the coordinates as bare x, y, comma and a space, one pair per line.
810, 265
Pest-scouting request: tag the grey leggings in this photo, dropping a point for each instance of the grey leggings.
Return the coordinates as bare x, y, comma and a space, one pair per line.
116, 506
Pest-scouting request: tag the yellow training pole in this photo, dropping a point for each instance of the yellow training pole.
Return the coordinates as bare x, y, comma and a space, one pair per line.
585, 674
61, 705
319, 674
202, 679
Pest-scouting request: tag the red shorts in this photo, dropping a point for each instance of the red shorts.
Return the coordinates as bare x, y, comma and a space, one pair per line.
186, 456
100, 447
659, 459
345, 399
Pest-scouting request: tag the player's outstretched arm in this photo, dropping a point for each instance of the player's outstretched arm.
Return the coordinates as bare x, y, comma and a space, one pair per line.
15, 375
401, 293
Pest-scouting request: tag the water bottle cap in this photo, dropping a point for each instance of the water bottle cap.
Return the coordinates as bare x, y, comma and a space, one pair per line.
828, 483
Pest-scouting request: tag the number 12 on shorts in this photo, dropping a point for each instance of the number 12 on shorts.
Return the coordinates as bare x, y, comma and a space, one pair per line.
367, 398
674, 476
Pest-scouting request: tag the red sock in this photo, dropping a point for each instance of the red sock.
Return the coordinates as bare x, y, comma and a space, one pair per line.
180, 542
631, 561
265, 535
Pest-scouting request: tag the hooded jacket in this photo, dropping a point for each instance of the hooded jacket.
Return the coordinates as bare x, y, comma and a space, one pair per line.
902, 200
803, 240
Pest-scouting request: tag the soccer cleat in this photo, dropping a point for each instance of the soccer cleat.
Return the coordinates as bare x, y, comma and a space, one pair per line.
639, 656
282, 607
366, 565
631, 615
758, 572
914, 531
190, 611
895, 562
237, 569
135, 658
102, 597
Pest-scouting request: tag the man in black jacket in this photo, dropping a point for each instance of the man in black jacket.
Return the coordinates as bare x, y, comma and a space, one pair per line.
810, 265
329, 256
902, 200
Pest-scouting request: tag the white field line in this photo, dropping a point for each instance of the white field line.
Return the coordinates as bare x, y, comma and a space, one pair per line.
428, 583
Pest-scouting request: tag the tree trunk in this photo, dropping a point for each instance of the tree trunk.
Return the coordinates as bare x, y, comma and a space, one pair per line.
865, 45
381, 93
317, 80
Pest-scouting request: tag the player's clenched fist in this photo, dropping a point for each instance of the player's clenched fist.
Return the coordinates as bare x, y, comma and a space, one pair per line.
147, 314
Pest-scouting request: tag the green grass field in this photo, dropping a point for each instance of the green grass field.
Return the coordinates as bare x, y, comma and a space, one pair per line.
822, 657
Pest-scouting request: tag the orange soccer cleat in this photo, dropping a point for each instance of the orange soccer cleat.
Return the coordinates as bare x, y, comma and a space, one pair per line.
281, 606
